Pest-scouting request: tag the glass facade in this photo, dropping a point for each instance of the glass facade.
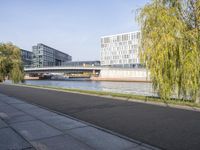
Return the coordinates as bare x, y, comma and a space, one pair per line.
83, 63
26, 58
44, 56
121, 50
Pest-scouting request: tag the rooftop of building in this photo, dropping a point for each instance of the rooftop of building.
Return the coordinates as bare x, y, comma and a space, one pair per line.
52, 48
119, 34
26, 50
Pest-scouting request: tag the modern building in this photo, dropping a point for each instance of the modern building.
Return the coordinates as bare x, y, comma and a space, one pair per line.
26, 58
44, 56
82, 63
121, 50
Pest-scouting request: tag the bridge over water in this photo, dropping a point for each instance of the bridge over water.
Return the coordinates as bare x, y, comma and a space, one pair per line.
63, 69
105, 73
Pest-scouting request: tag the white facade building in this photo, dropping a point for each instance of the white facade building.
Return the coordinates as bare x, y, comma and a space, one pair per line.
120, 50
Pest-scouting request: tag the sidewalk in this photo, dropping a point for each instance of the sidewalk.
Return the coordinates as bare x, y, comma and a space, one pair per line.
25, 126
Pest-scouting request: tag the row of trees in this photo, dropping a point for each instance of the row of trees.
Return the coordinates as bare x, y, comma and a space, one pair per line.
170, 46
10, 63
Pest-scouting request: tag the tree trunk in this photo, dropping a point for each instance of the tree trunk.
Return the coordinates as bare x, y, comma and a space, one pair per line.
198, 98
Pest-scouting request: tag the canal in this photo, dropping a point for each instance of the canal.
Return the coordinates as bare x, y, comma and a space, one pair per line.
139, 88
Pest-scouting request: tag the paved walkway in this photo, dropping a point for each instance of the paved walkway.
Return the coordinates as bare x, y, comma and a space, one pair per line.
163, 127
24, 126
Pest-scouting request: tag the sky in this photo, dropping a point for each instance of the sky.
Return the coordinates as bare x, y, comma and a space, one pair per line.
71, 26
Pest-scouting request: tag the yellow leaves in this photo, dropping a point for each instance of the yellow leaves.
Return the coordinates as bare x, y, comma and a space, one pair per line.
10, 62
171, 49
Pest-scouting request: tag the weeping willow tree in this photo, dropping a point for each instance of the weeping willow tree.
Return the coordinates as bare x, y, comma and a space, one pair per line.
10, 63
170, 46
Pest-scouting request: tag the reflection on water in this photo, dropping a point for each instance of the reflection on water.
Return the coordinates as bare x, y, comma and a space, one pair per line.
138, 88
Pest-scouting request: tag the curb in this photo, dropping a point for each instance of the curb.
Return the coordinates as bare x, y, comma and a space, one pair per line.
98, 127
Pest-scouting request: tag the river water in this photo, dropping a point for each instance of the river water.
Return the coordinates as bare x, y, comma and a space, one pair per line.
139, 88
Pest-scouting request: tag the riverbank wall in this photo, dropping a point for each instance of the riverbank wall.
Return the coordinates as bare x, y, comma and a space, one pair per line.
117, 74
26, 77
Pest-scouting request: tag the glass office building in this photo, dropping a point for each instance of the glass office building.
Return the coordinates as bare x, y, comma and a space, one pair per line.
83, 63
26, 57
44, 56
121, 50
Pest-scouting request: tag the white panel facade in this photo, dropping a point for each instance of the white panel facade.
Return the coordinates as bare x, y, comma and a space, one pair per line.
120, 50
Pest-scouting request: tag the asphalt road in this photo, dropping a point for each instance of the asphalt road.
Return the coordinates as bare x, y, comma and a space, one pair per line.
163, 127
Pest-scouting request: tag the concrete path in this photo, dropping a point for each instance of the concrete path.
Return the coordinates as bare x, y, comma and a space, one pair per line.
25, 126
163, 127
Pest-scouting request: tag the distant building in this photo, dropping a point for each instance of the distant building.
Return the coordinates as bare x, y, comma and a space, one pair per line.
82, 63
26, 58
44, 56
121, 50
